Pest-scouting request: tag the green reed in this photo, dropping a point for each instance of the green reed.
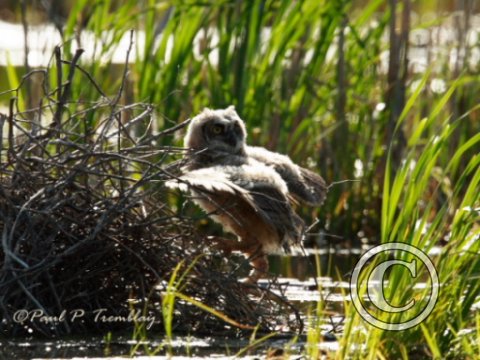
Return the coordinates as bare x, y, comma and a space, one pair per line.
307, 78
425, 202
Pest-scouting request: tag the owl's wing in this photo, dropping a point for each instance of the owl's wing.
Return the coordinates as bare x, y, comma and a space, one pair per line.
275, 207
270, 195
205, 180
309, 188
210, 183
257, 188
303, 184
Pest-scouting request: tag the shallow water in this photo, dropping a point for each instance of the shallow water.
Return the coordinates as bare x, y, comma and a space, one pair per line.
98, 347
320, 275
182, 347
296, 273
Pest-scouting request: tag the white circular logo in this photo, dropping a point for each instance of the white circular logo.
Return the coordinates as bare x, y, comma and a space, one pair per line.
375, 286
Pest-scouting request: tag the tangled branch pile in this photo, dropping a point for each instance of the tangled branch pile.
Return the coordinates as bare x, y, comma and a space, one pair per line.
86, 223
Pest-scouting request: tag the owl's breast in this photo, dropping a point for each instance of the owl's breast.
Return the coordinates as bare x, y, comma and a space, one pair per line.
237, 216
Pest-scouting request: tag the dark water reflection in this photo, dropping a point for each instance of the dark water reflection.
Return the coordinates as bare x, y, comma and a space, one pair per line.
334, 263
319, 276
300, 272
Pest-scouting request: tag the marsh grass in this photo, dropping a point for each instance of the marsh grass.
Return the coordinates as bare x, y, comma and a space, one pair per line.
410, 214
309, 78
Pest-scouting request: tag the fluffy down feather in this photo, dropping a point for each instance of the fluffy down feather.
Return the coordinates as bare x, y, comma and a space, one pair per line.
249, 190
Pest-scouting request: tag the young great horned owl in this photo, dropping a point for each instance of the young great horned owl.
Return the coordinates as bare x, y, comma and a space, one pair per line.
247, 189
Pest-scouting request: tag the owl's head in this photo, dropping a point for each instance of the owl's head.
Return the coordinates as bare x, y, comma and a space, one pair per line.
220, 130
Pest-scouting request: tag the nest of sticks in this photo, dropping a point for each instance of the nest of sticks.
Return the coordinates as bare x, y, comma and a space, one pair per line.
91, 240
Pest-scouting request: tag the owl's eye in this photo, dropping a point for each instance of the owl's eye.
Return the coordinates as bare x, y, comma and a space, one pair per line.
217, 129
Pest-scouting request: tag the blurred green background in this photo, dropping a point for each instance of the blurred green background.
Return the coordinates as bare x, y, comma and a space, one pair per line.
378, 96
323, 81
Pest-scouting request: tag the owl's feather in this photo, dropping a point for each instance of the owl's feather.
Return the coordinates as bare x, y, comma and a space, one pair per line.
303, 184
266, 197
207, 179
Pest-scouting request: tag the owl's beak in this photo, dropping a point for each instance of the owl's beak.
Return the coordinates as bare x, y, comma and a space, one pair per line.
231, 139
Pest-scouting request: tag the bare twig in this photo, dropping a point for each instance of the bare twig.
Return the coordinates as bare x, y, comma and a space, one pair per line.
11, 143
64, 89
3, 118
26, 49
87, 74
58, 113
173, 129
125, 71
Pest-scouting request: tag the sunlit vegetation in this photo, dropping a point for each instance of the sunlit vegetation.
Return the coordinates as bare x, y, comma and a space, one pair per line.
383, 94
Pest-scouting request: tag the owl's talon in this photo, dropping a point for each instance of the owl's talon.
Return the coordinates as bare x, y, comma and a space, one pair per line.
260, 268
220, 244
